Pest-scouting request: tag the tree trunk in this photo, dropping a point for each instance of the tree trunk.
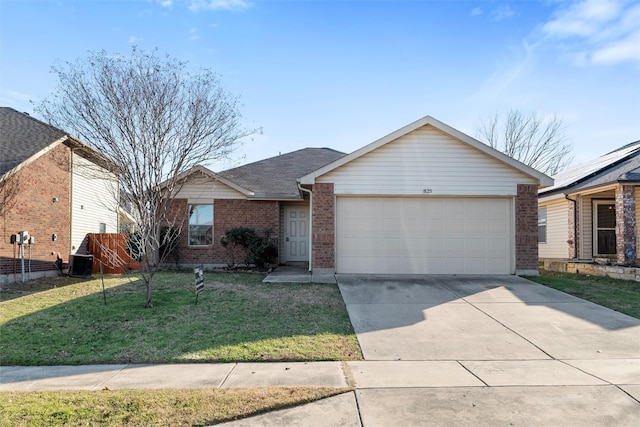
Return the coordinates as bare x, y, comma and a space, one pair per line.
147, 282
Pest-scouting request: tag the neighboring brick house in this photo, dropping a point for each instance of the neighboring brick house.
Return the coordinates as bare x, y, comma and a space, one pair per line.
53, 186
592, 211
426, 199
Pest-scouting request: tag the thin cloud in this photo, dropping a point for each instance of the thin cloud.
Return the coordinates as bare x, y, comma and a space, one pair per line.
476, 11
619, 51
200, 5
508, 71
502, 12
597, 31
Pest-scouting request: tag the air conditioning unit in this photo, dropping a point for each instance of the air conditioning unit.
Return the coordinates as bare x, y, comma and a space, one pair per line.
80, 265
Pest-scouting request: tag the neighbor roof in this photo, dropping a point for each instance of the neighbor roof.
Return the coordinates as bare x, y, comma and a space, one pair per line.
22, 136
543, 179
277, 176
620, 165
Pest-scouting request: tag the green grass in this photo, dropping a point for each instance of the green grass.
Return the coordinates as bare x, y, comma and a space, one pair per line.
616, 294
195, 407
64, 321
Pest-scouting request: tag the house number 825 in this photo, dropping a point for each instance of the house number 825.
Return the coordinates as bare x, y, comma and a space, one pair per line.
427, 191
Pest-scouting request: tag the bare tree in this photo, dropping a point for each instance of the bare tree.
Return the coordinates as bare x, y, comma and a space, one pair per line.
9, 189
529, 138
156, 120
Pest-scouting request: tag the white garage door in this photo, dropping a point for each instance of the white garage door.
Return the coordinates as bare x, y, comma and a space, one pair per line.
423, 235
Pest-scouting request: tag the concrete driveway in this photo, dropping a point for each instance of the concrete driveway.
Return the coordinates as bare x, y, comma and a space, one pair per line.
461, 350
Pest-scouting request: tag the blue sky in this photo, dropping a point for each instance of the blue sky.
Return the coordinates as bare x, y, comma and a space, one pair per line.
342, 74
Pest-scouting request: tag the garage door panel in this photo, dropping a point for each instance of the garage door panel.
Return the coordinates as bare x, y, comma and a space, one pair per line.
434, 209
423, 236
476, 227
498, 226
454, 227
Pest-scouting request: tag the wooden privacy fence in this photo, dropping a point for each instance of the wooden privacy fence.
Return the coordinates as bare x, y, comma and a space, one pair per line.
110, 248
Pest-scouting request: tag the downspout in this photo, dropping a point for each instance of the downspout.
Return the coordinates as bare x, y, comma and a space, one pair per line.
575, 225
310, 221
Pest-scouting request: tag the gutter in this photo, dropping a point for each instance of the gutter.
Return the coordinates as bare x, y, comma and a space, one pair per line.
310, 221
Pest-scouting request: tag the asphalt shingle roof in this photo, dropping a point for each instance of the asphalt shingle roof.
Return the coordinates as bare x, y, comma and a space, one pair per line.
615, 166
277, 176
22, 136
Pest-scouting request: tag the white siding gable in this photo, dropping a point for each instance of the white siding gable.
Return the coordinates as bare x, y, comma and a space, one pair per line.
426, 161
201, 189
94, 200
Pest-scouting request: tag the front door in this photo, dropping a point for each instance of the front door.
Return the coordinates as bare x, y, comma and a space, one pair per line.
297, 233
604, 228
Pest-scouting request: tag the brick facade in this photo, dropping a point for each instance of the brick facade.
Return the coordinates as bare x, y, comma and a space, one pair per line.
323, 226
626, 229
227, 213
28, 205
527, 229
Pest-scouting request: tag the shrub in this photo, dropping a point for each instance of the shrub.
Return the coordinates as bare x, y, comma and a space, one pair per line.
257, 250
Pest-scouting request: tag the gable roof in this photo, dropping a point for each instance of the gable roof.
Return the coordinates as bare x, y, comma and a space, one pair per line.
620, 165
276, 177
199, 169
543, 179
22, 136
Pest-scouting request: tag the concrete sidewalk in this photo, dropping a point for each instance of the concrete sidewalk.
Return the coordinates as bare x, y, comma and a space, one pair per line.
409, 393
623, 373
196, 375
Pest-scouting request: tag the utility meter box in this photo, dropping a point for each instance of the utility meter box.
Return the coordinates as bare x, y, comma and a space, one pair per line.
21, 238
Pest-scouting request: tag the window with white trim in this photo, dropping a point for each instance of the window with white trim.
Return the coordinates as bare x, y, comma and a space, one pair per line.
542, 225
200, 225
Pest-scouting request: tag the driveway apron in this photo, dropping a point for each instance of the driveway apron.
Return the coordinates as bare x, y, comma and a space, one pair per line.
481, 318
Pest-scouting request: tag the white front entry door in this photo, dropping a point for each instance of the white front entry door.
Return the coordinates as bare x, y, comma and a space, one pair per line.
297, 233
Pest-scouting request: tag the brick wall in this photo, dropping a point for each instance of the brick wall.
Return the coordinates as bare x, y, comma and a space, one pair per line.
323, 240
625, 223
527, 229
227, 213
30, 206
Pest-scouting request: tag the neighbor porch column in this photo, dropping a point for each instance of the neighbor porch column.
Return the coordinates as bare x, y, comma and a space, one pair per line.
625, 224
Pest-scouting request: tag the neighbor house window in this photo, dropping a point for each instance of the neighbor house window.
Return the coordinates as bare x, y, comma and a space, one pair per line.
542, 225
103, 227
200, 225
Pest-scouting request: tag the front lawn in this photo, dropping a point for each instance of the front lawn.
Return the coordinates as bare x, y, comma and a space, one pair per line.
173, 407
616, 294
238, 318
